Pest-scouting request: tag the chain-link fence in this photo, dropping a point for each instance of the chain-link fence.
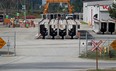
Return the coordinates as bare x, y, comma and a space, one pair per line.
87, 40
10, 47
28, 39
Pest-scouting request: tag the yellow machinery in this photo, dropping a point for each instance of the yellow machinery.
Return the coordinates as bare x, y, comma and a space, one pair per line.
57, 1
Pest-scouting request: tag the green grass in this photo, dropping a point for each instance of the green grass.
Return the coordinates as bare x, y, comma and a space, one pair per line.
83, 22
103, 56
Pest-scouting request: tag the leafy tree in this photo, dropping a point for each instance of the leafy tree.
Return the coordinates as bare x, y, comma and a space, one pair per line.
77, 5
57, 8
112, 11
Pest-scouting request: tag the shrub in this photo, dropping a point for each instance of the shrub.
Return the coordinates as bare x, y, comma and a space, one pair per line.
92, 55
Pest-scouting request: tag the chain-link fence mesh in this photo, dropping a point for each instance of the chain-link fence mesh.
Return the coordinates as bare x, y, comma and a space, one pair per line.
28, 39
86, 42
9, 47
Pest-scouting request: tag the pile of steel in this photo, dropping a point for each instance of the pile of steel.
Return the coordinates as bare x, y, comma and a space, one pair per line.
59, 28
104, 26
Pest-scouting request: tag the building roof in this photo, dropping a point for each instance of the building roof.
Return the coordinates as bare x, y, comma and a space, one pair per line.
108, 2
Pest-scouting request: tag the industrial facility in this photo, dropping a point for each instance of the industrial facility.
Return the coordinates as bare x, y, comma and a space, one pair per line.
58, 25
97, 16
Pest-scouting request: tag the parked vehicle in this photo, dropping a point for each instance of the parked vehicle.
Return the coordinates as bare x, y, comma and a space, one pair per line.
69, 16
1, 18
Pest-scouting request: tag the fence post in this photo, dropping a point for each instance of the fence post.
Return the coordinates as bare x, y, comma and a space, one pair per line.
79, 46
78, 34
14, 43
109, 48
8, 45
86, 43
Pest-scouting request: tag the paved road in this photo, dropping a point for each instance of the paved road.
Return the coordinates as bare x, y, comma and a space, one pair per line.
22, 65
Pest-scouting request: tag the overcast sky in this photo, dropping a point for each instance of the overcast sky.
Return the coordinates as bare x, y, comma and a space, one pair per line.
43, 2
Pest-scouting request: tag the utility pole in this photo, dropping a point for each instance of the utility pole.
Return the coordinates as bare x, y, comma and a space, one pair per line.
24, 9
32, 6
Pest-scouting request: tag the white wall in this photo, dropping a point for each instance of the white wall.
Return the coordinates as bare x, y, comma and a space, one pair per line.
90, 10
104, 16
85, 12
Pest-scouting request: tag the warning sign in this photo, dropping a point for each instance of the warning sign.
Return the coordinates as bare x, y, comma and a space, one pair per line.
2, 42
113, 44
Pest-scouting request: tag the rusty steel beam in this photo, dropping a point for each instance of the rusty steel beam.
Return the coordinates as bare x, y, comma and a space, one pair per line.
57, 1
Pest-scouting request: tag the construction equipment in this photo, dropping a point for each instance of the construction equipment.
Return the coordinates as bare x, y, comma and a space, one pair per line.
57, 1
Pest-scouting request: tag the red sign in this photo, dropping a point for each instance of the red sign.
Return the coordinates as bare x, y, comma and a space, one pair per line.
96, 45
93, 49
104, 7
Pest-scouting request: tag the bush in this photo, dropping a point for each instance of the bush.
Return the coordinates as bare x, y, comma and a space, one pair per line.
90, 54
111, 55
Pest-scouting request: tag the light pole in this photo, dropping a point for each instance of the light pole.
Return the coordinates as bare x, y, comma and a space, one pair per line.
24, 9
